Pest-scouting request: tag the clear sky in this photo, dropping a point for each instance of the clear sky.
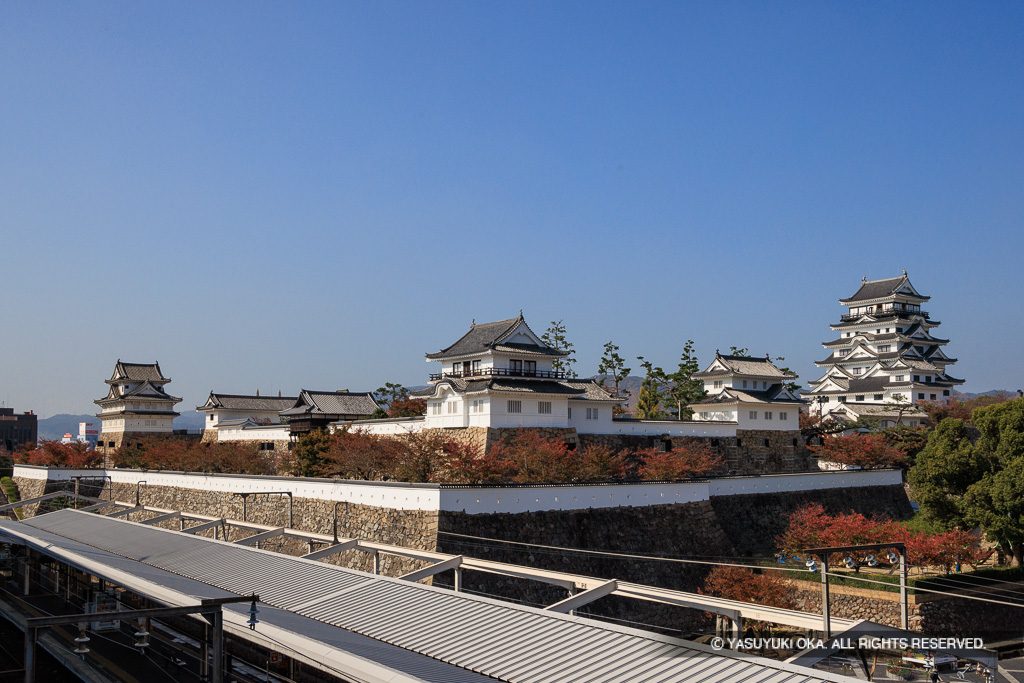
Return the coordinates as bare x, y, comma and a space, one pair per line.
313, 195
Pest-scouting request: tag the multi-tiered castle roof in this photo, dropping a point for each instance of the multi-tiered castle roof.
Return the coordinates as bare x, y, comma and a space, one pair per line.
885, 353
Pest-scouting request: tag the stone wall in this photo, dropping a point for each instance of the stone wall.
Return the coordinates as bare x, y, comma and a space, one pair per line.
409, 528
749, 452
752, 522
933, 614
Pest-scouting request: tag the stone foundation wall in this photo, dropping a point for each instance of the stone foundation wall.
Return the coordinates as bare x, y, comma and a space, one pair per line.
931, 614
409, 528
752, 522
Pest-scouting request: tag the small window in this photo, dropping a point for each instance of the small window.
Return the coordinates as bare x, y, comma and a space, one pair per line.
917, 378
211, 417
885, 348
592, 413
920, 397
515, 367
901, 378
453, 407
765, 443
843, 352
753, 414
515, 406
927, 378
783, 415
878, 397
476, 367
744, 384
718, 384
945, 392
544, 407
768, 415
859, 397
857, 371
570, 412
704, 416
933, 397
529, 367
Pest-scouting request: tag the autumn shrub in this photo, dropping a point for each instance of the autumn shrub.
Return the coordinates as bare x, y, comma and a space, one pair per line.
812, 527
56, 454
688, 458
863, 450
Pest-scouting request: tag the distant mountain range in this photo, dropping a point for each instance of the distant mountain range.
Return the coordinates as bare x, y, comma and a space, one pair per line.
54, 428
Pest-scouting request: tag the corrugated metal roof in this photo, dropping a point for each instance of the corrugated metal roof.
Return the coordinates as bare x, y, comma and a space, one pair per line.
506, 641
412, 665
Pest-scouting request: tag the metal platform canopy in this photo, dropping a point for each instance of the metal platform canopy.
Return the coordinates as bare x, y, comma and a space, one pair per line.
504, 641
318, 645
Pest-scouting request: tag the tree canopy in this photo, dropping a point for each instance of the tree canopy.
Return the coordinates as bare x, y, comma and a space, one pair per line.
555, 337
981, 483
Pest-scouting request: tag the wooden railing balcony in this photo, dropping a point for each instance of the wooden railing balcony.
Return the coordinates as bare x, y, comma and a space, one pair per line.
498, 372
885, 310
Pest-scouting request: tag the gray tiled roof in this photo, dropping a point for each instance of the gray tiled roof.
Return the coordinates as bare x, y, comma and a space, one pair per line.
137, 372
745, 365
592, 391
733, 395
489, 336
332, 403
583, 390
243, 402
880, 289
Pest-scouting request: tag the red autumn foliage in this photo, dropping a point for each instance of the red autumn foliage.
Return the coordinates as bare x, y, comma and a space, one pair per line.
763, 588
189, 455
535, 458
407, 407
960, 409
687, 459
57, 454
812, 527
865, 450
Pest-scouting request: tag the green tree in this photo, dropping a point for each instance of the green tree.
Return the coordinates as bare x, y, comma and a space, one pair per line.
555, 337
680, 386
959, 483
791, 385
612, 366
648, 404
389, 393
308, 455
737, 351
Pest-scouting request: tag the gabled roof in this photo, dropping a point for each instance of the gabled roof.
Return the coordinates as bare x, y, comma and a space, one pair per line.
145, 391
492, 337
332, 403
137, 372
881, 289
774, 394
722, 366
576, 390
242, 402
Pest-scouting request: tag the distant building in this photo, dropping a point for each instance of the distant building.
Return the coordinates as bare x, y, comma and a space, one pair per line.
751, 392
135, 405
88, 433
885, 355
16, 430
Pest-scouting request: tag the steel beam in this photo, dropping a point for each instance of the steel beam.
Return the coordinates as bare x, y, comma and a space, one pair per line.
580, 599
273, 533
331, 550
419, 574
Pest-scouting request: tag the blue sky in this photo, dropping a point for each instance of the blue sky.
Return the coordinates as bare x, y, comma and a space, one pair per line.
303, 195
